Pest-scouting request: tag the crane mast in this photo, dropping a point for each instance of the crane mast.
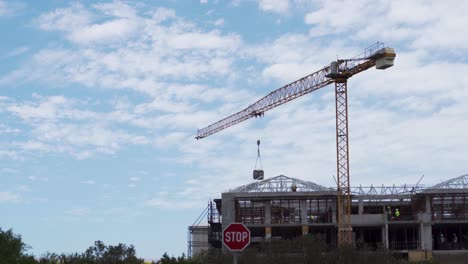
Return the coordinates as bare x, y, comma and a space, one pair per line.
338, 72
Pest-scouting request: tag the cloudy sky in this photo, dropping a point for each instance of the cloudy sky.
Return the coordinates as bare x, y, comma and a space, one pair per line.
100, 103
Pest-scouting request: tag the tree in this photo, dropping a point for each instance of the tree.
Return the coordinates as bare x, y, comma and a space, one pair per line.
99, 253
12, 249
102, 254
179, 260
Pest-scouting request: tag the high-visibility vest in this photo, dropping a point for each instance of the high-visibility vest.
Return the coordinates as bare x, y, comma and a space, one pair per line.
397, 213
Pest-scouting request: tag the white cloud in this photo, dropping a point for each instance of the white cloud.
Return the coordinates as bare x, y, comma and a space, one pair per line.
203, 1
12, 154
101, 139
5, 129
66, 19
58, 125
18, 51
157, 55
48, 108
162, 14
160, 103
116, 30
24, 188
199, 40
8, 170
77, 22
177, 203
292, 56
8, 9
3, 8
414, 21
117, 9
36, 178
78, 212
219, 22
9, 197
171, 139
89, 182
134, 179
176, 52
276, 6
170, 62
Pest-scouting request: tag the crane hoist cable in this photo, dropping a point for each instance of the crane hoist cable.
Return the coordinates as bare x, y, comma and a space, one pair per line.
258, 174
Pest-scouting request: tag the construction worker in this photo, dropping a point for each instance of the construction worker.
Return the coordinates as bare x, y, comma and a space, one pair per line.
313, 218
397, 214
389, 213
454, 241
293, 187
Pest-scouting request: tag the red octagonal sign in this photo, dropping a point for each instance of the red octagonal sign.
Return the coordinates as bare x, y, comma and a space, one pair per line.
236, 237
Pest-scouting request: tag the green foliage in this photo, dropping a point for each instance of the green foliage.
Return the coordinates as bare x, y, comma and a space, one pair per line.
99, 253
302, 250
12, 249
171, 260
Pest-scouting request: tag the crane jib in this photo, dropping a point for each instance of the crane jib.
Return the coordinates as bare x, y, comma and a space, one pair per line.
339, 70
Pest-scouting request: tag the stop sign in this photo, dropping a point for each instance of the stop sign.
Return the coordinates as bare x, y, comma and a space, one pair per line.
236, 237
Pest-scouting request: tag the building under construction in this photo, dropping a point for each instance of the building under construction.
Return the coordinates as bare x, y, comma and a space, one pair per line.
403, 218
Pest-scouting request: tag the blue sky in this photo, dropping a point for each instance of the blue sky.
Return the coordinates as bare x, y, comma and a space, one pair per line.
100, 103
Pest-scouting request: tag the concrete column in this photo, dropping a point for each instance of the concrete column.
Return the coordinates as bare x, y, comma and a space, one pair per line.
361, 206
385, 230
304, 220
334, 214
425, 228
428, 205
333, 237
425, 236
267, 212
229, 210
267, 220
385, 235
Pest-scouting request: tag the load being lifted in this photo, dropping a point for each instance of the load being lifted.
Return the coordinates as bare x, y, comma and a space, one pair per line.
337, 72
258, 173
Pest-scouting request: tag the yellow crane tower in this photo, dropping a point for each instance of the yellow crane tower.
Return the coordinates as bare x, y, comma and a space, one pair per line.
338, 72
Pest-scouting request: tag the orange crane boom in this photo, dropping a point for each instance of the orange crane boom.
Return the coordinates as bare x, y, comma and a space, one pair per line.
338, 72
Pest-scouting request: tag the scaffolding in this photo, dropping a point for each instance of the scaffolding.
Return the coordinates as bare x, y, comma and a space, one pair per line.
215, 232
448, 206
196, 234
319, 209
250, 212
285, 211
404, 237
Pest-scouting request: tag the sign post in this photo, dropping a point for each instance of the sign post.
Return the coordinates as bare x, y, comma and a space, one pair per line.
236, 237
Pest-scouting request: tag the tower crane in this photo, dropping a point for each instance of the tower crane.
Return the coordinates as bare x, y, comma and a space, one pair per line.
337, 72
